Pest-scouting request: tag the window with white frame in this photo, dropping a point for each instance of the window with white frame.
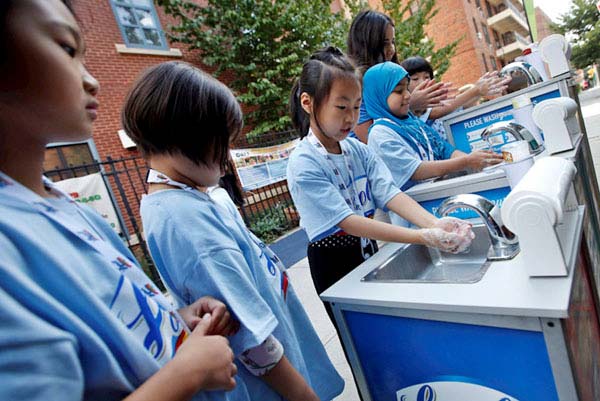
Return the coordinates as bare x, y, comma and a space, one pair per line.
139, 24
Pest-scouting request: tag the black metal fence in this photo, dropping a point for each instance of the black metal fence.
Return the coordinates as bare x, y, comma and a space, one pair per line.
125, 181
267, 211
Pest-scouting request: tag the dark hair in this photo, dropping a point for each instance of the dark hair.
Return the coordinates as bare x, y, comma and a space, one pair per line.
5, 7
366, 38
415, 64
174, 108
230, 183
317, 77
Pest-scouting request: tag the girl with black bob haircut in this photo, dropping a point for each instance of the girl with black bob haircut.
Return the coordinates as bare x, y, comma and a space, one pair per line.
183, 120
80, 319
337, 182
193, 115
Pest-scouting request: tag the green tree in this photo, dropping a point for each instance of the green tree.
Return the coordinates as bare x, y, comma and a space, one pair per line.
411, 39
263, 43
582, 23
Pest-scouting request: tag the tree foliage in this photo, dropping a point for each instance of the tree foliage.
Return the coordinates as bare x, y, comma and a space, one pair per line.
411, 39
582, 23
263, 43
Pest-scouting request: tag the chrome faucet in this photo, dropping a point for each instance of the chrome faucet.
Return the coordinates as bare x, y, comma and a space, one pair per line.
519, 132
522, 74
505, 244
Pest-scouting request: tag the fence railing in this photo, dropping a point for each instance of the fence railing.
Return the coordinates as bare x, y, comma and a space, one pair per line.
268, 211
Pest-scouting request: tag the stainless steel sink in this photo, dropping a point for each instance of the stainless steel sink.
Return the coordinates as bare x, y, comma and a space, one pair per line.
417, 263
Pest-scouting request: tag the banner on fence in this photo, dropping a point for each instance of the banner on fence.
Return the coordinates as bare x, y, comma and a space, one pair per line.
258, 167
91, 190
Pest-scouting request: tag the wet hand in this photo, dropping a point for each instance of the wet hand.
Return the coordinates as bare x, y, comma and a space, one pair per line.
480, 159
459, 227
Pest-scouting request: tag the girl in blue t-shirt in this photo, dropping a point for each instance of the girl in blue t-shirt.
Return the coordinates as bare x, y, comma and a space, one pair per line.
411, 149
336, 183
80, 319
183, 121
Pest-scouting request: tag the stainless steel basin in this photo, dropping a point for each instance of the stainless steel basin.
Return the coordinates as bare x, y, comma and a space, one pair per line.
417, 263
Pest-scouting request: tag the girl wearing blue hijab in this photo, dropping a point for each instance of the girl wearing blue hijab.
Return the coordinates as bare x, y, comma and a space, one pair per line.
411, 149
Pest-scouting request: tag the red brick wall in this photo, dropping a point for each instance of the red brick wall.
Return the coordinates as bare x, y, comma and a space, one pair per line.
454, 21
543, 24
115, 71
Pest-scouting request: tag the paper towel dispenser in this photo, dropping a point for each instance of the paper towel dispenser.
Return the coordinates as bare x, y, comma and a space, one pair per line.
557, 118
533, 210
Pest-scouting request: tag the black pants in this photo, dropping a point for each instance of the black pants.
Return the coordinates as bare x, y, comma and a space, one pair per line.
332, 258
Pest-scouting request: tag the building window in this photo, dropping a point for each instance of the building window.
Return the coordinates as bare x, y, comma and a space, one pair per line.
493, 63
475, 25
478, 4
69, 160
497, 39
139, 23
485, 62
486, 33
489, 9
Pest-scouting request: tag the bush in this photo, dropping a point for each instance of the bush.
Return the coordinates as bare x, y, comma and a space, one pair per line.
270, 224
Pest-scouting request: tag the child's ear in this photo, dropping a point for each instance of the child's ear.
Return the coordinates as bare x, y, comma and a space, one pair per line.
306, 102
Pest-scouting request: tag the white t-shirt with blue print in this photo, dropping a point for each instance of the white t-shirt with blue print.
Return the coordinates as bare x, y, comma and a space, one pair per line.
202, 247
314, 186
72, 326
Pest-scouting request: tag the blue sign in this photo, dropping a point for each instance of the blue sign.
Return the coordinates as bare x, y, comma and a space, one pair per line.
408, 359
467, 133
495, 195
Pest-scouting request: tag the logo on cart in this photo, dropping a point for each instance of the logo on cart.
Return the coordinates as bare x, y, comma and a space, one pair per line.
450, 391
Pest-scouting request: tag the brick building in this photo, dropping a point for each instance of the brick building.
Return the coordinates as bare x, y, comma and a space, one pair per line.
543, 23
123, 37
493, 33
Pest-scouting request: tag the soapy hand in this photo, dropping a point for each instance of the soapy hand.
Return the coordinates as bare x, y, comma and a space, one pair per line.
459, 227
443, 240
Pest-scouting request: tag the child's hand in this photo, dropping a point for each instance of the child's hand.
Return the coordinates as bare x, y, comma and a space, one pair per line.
443, 240
204, 362
491, 83
459, 227
221, 321
428, 94
480, 159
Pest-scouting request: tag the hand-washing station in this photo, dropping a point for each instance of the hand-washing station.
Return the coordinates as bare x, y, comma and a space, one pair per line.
419, 325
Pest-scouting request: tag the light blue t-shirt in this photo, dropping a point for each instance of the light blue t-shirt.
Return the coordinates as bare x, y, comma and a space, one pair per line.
200, 247
398, 155
72, 327
314, 186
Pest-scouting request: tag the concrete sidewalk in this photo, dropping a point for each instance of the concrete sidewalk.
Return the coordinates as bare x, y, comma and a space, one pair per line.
299, 275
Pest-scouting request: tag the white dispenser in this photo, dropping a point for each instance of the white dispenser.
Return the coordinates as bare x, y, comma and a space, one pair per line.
555, 51
557, 119
533, 210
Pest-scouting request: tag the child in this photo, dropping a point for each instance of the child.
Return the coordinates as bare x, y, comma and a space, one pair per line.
183, 120
371, 41
387, 98
421, 72
411, 149
79, 318
336, 183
